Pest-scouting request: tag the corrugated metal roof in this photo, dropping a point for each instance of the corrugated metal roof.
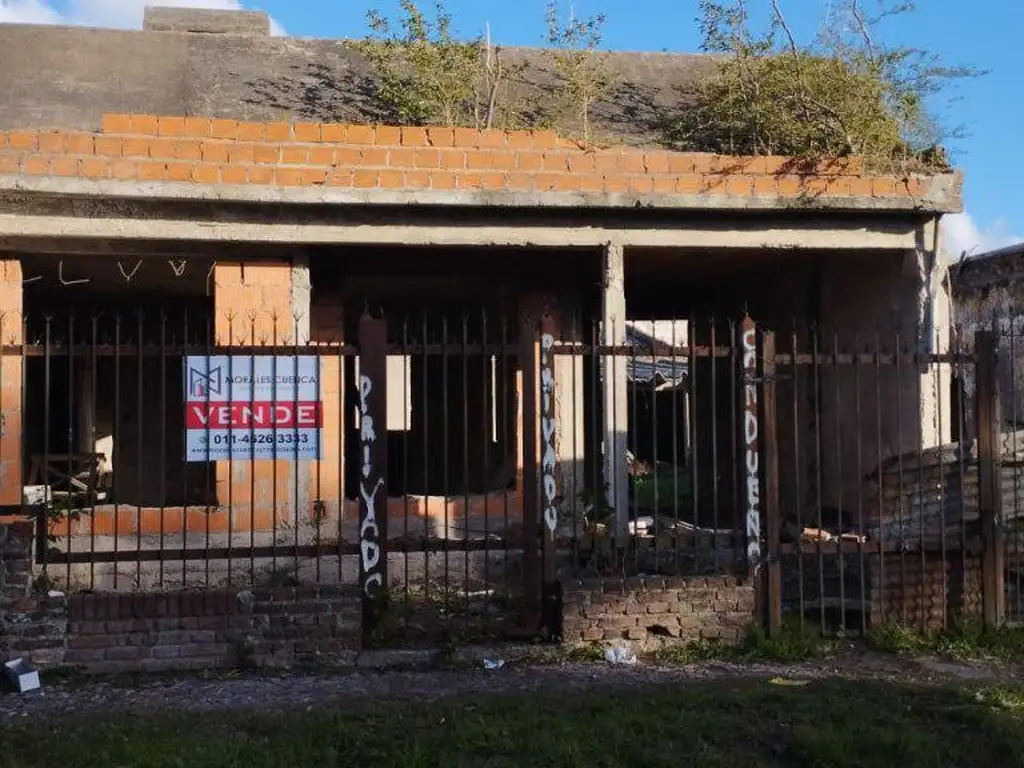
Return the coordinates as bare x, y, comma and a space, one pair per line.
658, 372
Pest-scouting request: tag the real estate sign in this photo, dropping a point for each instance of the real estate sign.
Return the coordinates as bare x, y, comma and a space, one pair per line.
244, 408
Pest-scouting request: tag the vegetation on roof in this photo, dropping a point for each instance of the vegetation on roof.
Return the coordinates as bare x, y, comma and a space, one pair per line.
427, 75
845, 92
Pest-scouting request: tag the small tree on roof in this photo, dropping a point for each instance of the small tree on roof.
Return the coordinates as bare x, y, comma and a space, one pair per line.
844, 93
428, 76
574, 52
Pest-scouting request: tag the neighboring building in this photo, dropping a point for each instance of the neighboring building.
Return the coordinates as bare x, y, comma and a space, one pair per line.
225, 172
988, 294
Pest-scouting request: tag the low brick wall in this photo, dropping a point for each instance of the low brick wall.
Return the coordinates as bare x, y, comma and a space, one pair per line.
946, 590
256, 628
653, 611
33, 626
113, 633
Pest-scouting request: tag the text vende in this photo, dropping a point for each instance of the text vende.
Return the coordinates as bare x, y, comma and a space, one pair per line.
300, 415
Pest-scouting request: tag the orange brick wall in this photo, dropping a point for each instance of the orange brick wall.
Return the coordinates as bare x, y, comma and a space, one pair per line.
204, 151
10, 384
252, 305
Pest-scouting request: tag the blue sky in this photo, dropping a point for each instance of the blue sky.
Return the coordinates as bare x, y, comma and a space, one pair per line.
986, 34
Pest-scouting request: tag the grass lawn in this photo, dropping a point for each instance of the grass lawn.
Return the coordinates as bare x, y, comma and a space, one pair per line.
830, 724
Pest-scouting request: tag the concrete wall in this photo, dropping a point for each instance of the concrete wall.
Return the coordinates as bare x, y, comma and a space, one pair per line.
870, 412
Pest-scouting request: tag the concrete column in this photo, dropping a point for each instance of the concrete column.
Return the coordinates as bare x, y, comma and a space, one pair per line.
10, 384
935, 314
301, 289
569, 413
326, 477
614, 387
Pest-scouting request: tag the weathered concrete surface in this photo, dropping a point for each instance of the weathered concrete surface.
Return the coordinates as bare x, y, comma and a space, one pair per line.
615, 389
34, 233
206, 21
943, 196
895, 305
69, 76
495, 567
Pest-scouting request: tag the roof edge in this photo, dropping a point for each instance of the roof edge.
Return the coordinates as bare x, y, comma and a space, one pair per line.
942, 198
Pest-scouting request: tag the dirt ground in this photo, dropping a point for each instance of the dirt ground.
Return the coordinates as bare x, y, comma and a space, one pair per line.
350, 686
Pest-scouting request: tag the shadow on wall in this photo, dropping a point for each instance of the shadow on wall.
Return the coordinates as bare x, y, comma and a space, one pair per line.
317, 92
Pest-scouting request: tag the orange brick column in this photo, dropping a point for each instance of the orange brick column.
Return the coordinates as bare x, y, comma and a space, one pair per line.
252, 304
10, 384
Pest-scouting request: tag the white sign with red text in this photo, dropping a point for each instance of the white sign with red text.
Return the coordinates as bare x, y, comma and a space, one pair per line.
244, 408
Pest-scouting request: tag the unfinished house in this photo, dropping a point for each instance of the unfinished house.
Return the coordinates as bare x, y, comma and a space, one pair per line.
253, 333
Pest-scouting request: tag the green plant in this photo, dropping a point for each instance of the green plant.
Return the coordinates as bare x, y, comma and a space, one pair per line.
58, 515
585, 75
789, 646
845, 93
668, 489
893, 637
597, 509
584, 654
427, 76
962, 641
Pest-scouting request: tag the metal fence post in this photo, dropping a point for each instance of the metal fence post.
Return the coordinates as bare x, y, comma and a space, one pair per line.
989, 496
373, 471
528, 336
550, 492
750, 437
770, 473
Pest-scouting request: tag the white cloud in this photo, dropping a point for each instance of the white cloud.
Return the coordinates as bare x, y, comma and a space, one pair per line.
116, 14
961, 233
27, 12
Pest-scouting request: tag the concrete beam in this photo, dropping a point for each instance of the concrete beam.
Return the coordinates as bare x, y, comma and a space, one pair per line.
16, 230
943, 197
614, 387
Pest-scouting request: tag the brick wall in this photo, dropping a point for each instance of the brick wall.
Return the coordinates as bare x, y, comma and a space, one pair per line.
113, 633
32, 625
204, 151
651, 610
257, 628
945, 590
252, 305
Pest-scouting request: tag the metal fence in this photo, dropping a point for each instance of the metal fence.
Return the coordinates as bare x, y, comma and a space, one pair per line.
825, 464
459, 465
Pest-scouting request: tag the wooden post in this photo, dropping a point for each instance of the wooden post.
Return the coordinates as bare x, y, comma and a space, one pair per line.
989, 495
750, 436
531, 475
373, 473
770, 496
11, 385
550, 496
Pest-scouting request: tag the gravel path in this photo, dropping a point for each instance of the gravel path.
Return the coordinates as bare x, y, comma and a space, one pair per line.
357, 686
